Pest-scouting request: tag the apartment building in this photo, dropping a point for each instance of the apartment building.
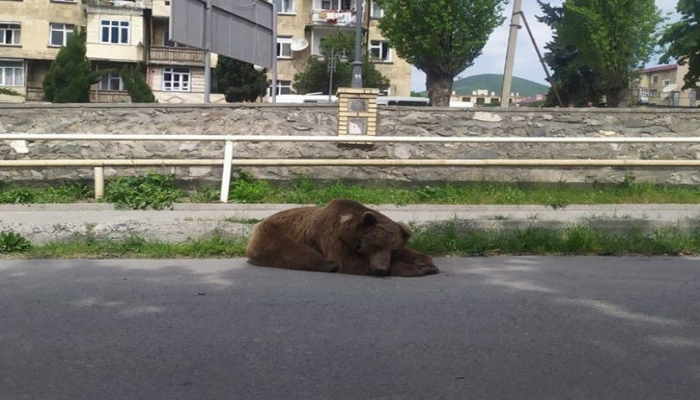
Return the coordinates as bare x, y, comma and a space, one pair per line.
130, 32
303, 24
662, 85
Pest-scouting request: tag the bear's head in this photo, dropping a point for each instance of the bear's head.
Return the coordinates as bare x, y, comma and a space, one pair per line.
376, 237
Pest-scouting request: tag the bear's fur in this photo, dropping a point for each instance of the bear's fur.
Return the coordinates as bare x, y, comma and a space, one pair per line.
344, 236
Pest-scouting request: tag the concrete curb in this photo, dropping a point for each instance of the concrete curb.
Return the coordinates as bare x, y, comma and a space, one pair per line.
55, 222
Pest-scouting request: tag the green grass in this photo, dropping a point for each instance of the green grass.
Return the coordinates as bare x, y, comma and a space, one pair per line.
160, 191
447, 238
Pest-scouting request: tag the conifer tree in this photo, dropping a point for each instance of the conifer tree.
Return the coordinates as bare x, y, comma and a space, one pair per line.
70, 75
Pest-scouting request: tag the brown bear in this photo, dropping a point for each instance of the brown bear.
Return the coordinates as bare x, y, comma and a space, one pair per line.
344, 236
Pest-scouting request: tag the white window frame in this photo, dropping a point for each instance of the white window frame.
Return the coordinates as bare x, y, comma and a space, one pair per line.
107, 80
376, 11
284, 47
180, 79
335, 4
383, 48
12, 70
285, 6
283, 87
654, 79
117, 31
666, 82
10, 33
66, 31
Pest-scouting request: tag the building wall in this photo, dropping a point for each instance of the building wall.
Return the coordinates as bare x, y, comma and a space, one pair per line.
129, 52
35, 17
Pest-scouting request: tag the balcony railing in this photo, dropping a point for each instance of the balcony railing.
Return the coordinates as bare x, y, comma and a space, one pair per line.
176, 55
96, 96
333, 18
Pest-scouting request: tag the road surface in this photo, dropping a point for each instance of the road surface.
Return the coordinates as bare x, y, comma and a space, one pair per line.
485, 328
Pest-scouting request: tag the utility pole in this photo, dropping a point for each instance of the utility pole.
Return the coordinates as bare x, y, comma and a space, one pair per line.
357, 64
510, 55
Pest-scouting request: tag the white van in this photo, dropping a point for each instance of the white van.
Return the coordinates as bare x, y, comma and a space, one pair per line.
403, 101
304, 98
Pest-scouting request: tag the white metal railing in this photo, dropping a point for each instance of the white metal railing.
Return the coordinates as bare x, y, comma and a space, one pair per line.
229, 141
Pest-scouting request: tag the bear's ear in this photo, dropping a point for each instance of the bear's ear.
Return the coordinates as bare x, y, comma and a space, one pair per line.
405, 231
369, 219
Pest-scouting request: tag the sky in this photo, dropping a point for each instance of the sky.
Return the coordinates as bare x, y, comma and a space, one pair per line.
527, 65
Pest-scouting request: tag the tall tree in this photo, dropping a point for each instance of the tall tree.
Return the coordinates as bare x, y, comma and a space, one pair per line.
575, 82
440, 37
316, 76
239, 81
682, 40
615, 38
70, 75
136, 85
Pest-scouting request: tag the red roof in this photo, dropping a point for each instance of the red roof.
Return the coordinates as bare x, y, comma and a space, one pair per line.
661, 68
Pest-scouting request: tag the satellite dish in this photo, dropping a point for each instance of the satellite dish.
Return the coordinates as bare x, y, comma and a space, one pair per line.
299, 44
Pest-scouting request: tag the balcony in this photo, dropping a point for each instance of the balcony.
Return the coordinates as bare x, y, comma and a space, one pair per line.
333, 18
175, 55
98, 6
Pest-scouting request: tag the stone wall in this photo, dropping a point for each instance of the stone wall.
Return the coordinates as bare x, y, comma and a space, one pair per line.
312, 119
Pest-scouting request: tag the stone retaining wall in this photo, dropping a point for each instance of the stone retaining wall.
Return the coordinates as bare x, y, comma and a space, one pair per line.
303, 119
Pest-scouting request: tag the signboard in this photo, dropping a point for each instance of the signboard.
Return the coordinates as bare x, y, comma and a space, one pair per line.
240, 29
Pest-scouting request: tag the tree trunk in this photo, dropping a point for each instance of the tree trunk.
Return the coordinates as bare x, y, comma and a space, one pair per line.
439, 88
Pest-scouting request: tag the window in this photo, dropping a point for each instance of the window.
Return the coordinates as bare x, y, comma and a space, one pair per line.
667, 82
377, 11
337, 4
654, 79
380, 51
111, 81
11, 73
10, 33
283, 87
114, 32
176, 79
60, 34
284, 47
285, 6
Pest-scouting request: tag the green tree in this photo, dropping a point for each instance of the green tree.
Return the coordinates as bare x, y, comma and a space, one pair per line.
70, 75
440, 37
136, 85
239, 81
682, 41
316, 76
614, 38
575, 82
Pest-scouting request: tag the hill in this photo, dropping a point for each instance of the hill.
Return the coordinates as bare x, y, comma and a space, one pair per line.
494, 83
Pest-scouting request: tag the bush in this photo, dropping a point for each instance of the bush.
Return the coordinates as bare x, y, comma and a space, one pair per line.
156, 191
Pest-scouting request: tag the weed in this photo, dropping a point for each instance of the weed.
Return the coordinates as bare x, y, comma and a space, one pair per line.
12, 242
156, 191
205, 194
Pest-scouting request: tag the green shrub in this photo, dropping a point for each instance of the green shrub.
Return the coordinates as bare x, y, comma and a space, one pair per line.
12, 242
156, 191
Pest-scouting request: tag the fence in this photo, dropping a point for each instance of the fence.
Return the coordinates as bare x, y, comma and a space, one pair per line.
227, 161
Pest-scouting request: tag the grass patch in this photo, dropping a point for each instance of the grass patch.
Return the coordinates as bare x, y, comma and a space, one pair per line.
65, 193
446, 238
137, 247
160, 191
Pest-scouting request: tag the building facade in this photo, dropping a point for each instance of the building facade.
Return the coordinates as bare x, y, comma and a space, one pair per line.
132, 32
662, 85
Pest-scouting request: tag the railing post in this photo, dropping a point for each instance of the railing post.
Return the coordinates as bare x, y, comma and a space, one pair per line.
226, 174
99, 182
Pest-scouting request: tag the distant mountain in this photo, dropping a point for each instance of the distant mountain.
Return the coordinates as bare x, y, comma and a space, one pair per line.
494, 83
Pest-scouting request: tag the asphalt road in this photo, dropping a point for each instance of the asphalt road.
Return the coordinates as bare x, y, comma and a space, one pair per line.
485, 328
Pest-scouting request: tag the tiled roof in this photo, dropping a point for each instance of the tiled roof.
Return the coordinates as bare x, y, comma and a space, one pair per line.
661, 68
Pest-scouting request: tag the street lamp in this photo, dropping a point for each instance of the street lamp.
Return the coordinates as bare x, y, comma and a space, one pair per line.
332, 63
